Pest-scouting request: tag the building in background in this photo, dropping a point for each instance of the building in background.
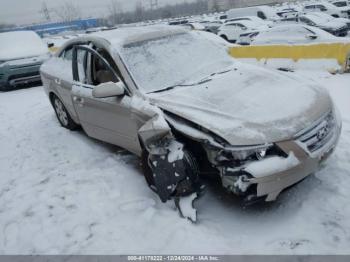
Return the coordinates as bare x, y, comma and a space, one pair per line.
56, 28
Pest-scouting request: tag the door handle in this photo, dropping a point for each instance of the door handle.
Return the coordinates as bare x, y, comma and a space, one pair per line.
78, 100
57, 81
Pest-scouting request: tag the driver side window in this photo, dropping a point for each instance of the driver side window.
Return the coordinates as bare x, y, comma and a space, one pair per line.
93, 66
100, 72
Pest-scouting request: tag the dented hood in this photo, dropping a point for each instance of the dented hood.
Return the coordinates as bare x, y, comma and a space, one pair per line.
248, 105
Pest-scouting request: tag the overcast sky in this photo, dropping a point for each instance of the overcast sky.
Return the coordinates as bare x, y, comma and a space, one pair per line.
27, 11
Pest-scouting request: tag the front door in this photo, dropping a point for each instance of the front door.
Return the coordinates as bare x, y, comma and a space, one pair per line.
106, 119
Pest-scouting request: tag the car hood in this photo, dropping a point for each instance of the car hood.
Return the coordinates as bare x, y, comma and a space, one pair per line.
248, 105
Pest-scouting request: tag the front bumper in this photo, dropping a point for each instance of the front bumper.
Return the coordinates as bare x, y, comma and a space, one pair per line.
14, 75
268, 183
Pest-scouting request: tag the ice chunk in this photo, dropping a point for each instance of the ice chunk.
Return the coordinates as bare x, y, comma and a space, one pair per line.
272, 165
186, 208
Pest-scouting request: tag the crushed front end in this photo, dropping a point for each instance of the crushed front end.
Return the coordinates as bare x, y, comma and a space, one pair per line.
261, 172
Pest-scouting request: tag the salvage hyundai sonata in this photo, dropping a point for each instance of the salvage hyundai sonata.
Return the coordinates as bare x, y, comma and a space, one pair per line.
177, 100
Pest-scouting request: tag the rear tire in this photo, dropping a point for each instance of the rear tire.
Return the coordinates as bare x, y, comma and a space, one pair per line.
62, 114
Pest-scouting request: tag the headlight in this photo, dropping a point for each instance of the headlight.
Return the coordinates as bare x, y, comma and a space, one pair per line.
247, 153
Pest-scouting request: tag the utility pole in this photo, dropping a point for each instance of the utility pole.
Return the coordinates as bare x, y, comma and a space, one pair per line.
154, 4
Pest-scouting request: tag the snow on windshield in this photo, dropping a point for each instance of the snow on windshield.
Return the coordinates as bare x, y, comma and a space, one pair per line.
177, 59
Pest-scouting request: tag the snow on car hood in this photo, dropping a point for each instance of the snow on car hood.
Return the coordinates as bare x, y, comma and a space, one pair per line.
332, 24
21, 44
248, 105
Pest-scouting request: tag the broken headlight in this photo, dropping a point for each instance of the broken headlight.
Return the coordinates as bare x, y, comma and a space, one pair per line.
238, 155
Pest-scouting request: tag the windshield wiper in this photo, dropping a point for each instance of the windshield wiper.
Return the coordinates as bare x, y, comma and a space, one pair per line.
202, 81
182, 85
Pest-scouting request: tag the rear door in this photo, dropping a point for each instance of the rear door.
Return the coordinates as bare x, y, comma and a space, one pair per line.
62, 79
106, 119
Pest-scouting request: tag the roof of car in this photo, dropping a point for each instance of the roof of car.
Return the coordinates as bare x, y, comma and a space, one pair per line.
129, 35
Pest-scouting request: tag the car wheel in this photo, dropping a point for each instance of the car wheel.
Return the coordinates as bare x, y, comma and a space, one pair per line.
62, 114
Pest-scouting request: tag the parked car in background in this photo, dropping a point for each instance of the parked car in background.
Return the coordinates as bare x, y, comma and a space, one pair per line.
263, 12
178, 22
259, 131
253, 19
194, 26
294, 34
328, 8
340, 3
212, 26
240, 31
330, 18
21, 55
287, 13
334, 27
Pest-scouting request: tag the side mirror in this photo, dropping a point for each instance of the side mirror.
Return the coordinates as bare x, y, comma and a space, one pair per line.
49, 45
108, 89
311, 37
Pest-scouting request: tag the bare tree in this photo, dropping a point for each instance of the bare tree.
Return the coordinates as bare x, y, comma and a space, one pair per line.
45, 11
68, 12
139, 10
115, 10
6, 26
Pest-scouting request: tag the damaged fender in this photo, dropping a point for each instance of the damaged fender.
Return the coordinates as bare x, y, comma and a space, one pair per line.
171, 165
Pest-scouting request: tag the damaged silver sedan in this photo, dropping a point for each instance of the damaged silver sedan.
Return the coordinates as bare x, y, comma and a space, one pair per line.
177, 100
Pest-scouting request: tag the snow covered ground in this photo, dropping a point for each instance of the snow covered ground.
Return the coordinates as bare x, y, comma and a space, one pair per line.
62, 192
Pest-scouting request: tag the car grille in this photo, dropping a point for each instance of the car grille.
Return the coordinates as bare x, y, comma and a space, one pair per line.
319, 134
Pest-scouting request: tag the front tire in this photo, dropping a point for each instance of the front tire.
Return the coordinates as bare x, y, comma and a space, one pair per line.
62, 114
192, 171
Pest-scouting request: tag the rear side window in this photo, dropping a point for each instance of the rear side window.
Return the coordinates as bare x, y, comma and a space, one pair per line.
261, 15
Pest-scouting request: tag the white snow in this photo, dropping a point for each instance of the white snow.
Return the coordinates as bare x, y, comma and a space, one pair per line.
175, 151
187, 208
62, 193
272, 165
21, 44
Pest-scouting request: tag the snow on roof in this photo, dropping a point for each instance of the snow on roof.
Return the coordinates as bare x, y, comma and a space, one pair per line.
21, 44
129, 35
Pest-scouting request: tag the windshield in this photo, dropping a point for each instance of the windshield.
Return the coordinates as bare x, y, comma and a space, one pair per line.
180, 59
340, 4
